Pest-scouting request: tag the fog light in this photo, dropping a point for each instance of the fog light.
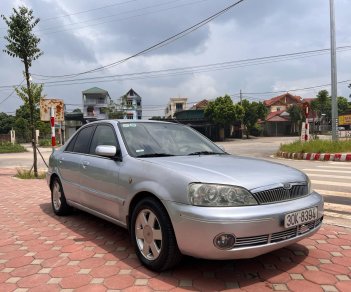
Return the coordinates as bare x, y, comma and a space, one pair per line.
224, 241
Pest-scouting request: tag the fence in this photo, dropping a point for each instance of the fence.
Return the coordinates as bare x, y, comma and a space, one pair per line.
5, 138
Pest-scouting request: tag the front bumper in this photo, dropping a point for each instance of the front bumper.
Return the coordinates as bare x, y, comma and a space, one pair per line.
258, 229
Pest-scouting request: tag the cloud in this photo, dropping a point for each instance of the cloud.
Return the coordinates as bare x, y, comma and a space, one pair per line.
250, 30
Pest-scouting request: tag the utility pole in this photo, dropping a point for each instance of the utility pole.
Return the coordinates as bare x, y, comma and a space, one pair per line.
333, 73
241, 98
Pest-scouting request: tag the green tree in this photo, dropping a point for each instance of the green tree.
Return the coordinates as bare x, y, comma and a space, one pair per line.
343, 104
115, 111
23, 44
322, 105
223, 112
23, 114
253, 111
6, 123
296, 117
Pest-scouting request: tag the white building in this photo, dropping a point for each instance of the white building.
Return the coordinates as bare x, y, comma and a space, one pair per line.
174, 105
131, 105
95, 103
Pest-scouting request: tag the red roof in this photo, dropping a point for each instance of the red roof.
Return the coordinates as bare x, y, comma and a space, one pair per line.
275, 117
309, 100
274, 100
200, 105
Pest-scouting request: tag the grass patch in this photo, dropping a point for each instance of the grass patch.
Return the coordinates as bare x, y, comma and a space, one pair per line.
8, 147
317, 146
44, 142
28, 174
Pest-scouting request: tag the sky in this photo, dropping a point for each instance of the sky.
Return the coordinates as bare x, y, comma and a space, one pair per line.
81, 35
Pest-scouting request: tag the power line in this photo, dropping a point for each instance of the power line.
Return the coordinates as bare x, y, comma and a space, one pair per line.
6, 98
292, 90
81, 12
190, 70
153, 47
113, 16
207, 67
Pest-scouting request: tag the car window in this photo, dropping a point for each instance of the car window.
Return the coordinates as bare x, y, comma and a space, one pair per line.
104, 135
70, 146
144, 139
83, 140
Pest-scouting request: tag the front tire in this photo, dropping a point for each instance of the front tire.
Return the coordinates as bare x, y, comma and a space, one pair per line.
153, 237
58, 199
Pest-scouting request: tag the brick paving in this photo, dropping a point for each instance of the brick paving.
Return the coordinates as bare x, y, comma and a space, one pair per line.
42, 252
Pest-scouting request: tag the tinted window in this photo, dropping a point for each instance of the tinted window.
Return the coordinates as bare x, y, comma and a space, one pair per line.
104, 135
70, 146
83, 140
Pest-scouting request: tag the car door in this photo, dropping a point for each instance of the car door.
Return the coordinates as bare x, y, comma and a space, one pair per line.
70, 163
99, 179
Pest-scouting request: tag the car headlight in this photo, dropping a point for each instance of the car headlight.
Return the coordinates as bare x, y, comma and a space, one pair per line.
219, 195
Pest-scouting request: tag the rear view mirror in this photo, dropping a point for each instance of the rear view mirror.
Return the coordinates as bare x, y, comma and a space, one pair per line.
106, 150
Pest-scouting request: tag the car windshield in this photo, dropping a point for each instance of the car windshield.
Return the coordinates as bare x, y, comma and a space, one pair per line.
151, 139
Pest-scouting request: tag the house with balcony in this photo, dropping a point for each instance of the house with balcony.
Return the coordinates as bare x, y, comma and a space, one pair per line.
175, 104
278, 122
131, 105
95, 103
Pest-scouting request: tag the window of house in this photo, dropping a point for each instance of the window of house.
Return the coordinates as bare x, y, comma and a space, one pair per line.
130, 116
179, 106
129, 102
102, 110
278, 108
138, 103
90, 111
101, 100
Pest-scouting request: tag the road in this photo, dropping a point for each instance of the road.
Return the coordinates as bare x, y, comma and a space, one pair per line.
25, 159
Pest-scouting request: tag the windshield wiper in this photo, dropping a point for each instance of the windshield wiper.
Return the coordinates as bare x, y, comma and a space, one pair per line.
204, 153
155, 155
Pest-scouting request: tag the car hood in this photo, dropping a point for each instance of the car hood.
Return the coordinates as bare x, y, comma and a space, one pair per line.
249, 173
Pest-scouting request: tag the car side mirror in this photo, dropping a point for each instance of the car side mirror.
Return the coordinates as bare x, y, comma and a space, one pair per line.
108, 151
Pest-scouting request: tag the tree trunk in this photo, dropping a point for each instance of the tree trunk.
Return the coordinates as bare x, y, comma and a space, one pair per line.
246, 132
32, 126
221, 134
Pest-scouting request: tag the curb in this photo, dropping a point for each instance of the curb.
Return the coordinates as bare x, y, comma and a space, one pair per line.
316, 156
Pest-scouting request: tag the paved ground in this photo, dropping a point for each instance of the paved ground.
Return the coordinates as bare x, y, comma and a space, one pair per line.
42, 252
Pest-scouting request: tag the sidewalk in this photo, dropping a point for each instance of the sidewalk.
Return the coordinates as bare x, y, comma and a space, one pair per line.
42, 252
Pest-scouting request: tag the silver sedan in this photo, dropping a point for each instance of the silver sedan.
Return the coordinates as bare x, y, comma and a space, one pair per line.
180, 194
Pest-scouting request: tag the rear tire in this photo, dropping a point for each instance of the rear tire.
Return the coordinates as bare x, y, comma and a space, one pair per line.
153, 236
58, 199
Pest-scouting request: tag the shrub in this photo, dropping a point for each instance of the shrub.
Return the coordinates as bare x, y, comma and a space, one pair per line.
28, 174
8, 147
317, 146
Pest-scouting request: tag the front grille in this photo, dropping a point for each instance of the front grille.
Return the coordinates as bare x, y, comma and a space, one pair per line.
251, 241
277, 236
283, 235
281, 194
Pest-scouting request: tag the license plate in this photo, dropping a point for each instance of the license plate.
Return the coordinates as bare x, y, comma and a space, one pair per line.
300, 217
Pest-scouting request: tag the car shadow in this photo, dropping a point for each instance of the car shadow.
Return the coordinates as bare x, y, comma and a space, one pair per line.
191, 273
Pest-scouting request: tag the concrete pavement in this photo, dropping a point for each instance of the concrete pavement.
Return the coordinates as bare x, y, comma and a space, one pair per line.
42, 252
